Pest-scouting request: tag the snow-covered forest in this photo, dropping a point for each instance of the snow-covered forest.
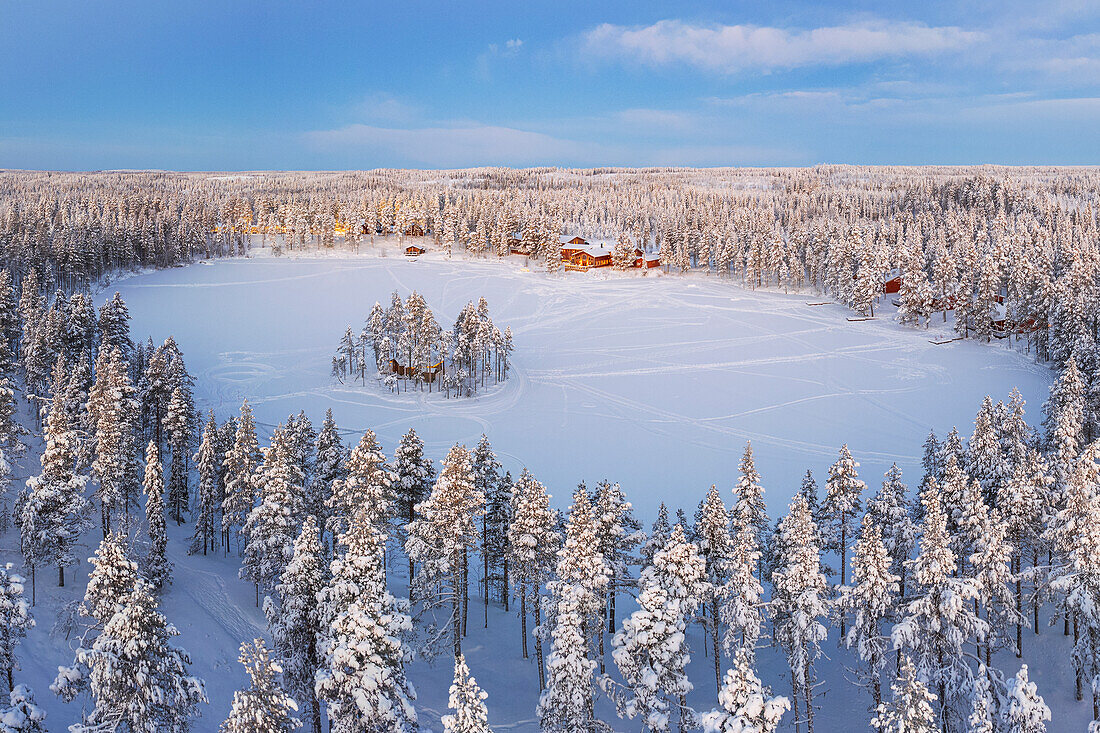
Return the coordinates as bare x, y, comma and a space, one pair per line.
908, 602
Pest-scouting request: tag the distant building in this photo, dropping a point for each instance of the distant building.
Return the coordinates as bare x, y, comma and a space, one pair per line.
414, 251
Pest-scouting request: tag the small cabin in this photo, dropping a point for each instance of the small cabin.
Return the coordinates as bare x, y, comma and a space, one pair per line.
414, 251
414, 230
577, 241
891, 282
647, 262
427, 374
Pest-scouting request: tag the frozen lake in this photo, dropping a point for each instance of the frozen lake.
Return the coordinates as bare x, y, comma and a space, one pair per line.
655, 382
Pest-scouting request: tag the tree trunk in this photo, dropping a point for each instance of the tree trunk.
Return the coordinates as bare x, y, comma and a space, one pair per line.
33, 589
316, 714
1019, 611
794, 702
714, 640
504, 584
538, 646
60, 576
843, 580
465, 589
1077, 672
485, 585
523, 616
808, 698
456, 612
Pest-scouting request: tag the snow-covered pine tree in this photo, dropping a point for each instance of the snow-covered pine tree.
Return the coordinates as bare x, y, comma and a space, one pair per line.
468, 702
368, 481
114, 409
657, 537
498, 517
15, 620
742, 613
53, 512
114, 326
992, 569
716, 544
651, 650
211, 491
295, 622
745, 704
1023, 504
1024, 710
486, 470
984, 453
362, 641
179, 426
272, 525
158, 569
892, 514
843, 504
137, 679
750, 507
328, 468
1075, 536
618, 534
871, 599
1064, 420
940, 619
532, 546
799, 602
910, 710
575, 603
263, 707
241, 462
414, 476
983, 704
441, 538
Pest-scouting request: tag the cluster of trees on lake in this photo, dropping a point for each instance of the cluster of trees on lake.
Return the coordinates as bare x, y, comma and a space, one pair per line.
405, 343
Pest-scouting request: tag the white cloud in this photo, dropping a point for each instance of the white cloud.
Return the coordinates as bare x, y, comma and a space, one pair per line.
731, 48
470, 145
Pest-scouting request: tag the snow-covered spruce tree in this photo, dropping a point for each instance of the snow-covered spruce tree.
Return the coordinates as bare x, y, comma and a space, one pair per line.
716, 544
745, 704
651, 650
985, 457
1064, 421
53, 512
498, 517
749, 508
158, 569
1075, 580
742, 612
295, 621
487, 469
940, 620
368, 480
910, 710
983, 704
263, 707
362, 641
440, 539
871, 599
328, 468
179, 427
468, 702
657, 537
272, 525
114, 326
114, 409
1024, 710
532, 545
22, 715
137, 679
892, 514
15, 620
991, 564
1023, 502
241, 461
842, 506
211, 491
799, 602
618, 534
111, 581
574, 605
413, 478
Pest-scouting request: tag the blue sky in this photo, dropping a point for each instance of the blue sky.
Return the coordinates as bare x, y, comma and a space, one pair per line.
227, 85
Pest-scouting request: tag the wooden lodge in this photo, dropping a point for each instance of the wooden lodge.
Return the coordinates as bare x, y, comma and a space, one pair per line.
411, 372
585, 257
414, 230
414, 251
891, 282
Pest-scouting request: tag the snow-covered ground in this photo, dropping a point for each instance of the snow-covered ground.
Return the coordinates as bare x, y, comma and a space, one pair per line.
655, 382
